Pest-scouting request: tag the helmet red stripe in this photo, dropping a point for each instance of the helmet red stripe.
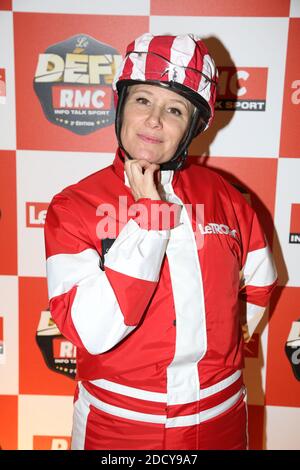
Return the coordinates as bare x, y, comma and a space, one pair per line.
127, 63
155, 66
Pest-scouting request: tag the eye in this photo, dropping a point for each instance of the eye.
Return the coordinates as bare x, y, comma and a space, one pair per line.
175, 111
142, 100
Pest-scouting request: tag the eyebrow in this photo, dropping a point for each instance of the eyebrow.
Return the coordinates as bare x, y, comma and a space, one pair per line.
142, 90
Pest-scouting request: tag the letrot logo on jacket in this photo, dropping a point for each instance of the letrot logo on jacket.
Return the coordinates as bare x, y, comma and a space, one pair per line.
295, 224
214, 228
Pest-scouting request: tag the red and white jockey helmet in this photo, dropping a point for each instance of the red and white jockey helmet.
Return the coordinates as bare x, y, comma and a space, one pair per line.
183, 64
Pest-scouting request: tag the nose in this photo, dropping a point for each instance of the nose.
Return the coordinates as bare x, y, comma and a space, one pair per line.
154, 117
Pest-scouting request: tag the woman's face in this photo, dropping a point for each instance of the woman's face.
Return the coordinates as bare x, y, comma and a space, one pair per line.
155, 120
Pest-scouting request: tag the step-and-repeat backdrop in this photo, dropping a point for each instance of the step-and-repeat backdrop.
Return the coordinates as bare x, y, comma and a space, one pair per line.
57, 60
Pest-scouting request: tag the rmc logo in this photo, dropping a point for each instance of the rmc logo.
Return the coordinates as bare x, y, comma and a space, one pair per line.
243, 89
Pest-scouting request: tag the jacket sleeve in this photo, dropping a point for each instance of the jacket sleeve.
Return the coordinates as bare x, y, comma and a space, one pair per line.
258, 276
94, 308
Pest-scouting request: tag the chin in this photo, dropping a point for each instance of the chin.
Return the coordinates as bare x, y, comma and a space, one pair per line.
145, 155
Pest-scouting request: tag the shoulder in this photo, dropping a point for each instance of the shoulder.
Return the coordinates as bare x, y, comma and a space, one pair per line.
86, 186
207, 180
211, 178
204, 174
90, 182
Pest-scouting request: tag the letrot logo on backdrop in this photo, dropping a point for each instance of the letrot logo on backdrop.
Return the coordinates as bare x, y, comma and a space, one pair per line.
295, 224
36, 214
243, 89
73, 82
292, 348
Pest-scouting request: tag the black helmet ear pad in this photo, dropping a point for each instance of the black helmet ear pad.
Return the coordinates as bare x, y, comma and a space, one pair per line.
197, 125
122, 92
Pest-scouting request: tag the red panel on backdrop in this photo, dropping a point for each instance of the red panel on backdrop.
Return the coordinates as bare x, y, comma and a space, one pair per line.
6, 5
9, 422
221, 8
282, 385
35, 376
295, 218
258, 176
289, 141
8, 213
34, 131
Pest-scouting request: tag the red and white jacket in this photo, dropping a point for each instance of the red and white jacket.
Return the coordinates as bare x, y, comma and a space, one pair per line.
157, 319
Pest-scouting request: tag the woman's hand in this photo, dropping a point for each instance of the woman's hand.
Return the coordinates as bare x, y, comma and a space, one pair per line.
141, 177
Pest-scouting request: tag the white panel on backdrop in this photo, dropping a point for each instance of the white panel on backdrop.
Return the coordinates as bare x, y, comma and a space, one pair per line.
295, 9
7, 105
43, 416
250, 42
41, 175
90, 7
287, 222
282, 428
9, 341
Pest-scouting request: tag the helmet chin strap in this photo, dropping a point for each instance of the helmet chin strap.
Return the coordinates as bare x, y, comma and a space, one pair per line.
173, 164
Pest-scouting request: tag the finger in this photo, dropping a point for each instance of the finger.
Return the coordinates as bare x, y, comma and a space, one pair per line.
153, 167
138, 168
149, 175
142, 163
127, 168
137, 172
132, 165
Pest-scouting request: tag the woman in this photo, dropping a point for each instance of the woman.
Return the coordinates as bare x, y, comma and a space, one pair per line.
147, 262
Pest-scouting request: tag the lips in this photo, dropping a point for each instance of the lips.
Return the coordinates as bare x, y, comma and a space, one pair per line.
149, 139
